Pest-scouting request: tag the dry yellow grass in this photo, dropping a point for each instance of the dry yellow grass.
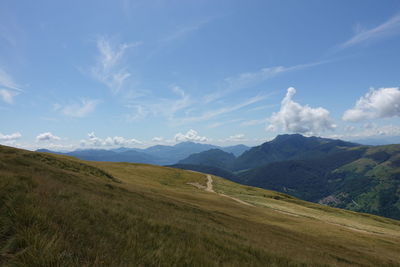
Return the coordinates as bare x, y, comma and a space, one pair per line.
62, 211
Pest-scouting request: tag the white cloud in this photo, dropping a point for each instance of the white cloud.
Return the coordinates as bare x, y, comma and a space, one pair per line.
185, 30
109, 68
191, 135
381, 103
389, 27
116, 141
8, 87
254, 122
47, 137
217, 112
220, 123
157, 139
167, 107
294, 117
78, 109
236, 138
349, 128
369, 125
7, 81
369, 130
7, 95
55, 147
10, 137
383, 130
140, 112
173, 106
248, 79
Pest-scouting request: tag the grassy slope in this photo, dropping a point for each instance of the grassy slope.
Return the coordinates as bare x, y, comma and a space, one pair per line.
364, 179
372, 182
56, 210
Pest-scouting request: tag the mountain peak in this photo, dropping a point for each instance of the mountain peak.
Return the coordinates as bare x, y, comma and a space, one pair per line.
284, 137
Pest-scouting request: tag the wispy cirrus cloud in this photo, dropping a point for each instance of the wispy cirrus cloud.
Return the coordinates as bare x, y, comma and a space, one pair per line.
7, 81
218, 112
79, 109
8, 87
184, 30
221, 123
166, 107
387, 28
110, 68
254, 122
7, 95
249, 79
178, 33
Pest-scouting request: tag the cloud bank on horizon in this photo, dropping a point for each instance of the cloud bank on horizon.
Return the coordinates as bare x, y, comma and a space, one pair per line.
189, 77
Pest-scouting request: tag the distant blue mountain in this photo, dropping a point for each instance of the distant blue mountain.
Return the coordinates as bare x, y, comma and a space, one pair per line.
159, 154
213, 157
377, 141
236, 150
173, 154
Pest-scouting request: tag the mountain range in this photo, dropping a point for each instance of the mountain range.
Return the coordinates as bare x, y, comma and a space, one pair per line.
159, 154
328, 171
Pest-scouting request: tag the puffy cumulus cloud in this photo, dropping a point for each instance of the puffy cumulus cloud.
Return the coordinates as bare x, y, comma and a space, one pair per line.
95, 141
381, 103
191, 135
296, 118
9, 137
47, 137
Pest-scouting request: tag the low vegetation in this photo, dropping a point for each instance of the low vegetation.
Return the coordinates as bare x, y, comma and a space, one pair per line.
60, 211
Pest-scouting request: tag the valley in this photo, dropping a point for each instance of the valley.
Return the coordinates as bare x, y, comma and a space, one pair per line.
331, 172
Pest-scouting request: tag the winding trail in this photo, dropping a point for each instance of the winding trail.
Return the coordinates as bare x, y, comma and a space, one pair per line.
209, 188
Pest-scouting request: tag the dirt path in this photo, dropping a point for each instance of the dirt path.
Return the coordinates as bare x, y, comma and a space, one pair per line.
209, 188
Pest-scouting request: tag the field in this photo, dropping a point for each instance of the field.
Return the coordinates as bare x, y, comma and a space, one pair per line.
60, 211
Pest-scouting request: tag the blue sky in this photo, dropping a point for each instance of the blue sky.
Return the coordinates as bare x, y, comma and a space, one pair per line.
106, 74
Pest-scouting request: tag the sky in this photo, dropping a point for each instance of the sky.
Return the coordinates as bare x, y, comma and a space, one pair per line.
105, 74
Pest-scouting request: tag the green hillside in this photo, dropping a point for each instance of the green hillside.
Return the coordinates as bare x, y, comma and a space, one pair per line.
365, 179
289, 147
326, 171
213, 157
60, 211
